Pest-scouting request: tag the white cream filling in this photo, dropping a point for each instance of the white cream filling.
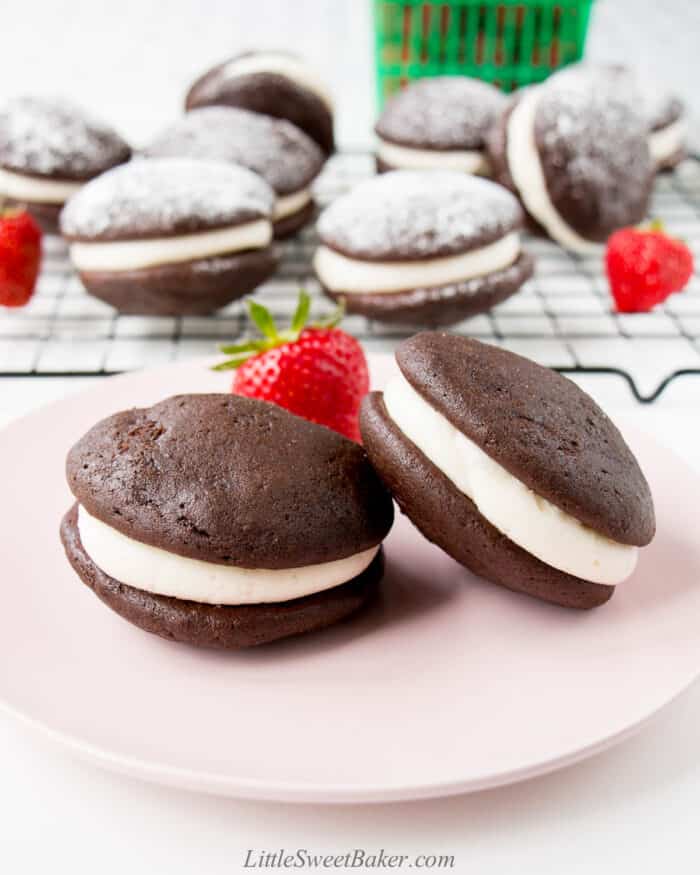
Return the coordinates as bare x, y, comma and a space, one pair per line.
526, 170
408, 158
288, 204
36, 191
135, 254
666, 141
524, 517
342, 274
285, 65
158, 571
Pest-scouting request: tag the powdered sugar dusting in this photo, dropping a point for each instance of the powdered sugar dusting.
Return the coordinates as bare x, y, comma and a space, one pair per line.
48, 137
593, 142
412, 215
276, 149
152, 197
659, 107
445, 112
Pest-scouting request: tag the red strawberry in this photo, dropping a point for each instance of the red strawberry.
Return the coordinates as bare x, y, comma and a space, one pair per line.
20, 253
318, 372
645, 266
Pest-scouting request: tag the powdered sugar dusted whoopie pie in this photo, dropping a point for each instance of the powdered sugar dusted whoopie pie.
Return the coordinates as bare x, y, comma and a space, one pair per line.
286, 158
663, 112
276, 83
439, 123
224, 521
422, 247
171, 236
510, 468
48, 149
575, 151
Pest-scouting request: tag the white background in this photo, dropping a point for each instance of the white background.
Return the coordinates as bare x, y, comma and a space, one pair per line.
634, 809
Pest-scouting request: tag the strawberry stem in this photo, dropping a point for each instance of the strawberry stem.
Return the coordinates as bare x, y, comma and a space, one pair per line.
271, 337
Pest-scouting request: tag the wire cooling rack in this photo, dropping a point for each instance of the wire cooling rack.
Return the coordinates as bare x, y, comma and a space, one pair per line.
562, 318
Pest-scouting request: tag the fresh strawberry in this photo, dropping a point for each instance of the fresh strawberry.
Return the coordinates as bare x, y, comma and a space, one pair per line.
645, 266
20, 254
316, 371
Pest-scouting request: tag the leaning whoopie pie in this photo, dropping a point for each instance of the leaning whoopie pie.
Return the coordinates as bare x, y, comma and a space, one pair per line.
171, 236
272, 83
510, 468
48, 150
224, 521
439, 123
575, 151
424, 247
277, 150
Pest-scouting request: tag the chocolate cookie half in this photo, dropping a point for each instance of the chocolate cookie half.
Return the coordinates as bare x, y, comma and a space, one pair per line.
277, 83
575, 150
438, 123
510, 468
171, 236
422, 247
286, 158
48, 150
224, 521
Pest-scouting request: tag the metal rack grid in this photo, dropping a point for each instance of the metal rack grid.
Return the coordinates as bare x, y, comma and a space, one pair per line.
562, 318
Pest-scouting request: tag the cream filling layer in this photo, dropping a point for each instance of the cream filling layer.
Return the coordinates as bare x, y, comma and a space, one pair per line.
408, 158
288, 204
36, 191
158, 571
135, 254
526, 170
284, 65
529, 520
342, 274
666, 141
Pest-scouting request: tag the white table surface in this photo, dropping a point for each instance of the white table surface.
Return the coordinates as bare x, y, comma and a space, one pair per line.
632, 809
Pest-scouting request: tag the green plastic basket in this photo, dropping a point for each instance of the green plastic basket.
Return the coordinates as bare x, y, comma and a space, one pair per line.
508, 42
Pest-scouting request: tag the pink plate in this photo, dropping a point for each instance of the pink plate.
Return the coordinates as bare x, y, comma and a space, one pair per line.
449, 684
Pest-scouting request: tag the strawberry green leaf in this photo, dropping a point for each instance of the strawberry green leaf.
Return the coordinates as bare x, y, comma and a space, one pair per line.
301, 313
263, 319
232, 364
334, 319
247, 346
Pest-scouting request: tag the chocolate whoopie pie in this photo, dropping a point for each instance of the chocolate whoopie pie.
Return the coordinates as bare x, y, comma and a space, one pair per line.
224, 521
422, 247
439, 123
273, 83
48, 149
278, 151
510, 468
575, 151
171, 236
